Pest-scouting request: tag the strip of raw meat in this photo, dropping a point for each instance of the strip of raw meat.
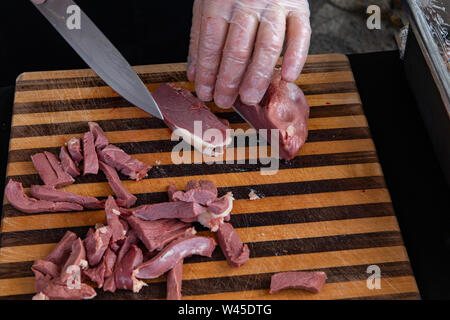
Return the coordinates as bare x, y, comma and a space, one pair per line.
64, 179
174, 279
103, 270
179, 249
67, 163
182, 112
123, 273
74, 147
41, 280
50, 170
217, 212
62, 250
283, 107
168, 210
156, 234
123, 162
75, 262
96, 243
90, 156
111, 262
19, 200
44, 169
49, 193
305, 280
100, 140
46, 267
112, 219
203, 192
222, 206
57, 291
124, 198
232, 247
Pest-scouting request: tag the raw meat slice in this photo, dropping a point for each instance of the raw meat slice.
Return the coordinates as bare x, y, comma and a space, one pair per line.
174, 278
110, 284
44, 169
109, 259
96, 274
305, 280
99, 136
62, 250
50, 170
181, 111
124, 198
19, 200
130, 239
156, 234
128, 242
232, 247
89, 154
57, 291
46, 268
283, 107
217, 212
168, 210
64, 179
222, 206
49, 193
121, 161
96, 243
103, 270
67, 163
123, 273
76, 259
203, 192
112, 219
179, 249
74, 148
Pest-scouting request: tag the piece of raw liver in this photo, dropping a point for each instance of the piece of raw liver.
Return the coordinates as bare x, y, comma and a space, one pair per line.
123, 162
90, 164
49, 193
179, 249
67, 164
311, 281
174, 280
74, 148
181, 110
232, 247
124, 198
19, 200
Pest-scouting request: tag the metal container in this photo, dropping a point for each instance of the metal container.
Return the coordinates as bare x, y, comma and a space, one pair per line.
427, 65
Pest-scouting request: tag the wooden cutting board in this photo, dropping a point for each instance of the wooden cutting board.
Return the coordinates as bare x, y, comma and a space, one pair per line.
328, 209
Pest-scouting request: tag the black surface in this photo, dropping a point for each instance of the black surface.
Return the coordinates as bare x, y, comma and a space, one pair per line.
419, 193
429, 102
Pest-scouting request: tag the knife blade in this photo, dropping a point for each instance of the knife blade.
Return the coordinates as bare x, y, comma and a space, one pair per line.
98, 53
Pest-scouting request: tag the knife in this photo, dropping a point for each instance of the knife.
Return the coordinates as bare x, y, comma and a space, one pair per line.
98, 52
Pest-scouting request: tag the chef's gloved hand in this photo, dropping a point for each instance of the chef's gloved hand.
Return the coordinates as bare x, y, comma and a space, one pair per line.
235, 45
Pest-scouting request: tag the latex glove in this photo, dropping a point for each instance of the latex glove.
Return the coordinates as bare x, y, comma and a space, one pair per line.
235, 45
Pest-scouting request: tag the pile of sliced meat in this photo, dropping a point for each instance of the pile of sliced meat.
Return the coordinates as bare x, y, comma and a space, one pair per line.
141, 243
87, 155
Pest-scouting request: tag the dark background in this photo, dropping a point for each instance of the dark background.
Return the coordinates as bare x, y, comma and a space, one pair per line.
147, 32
